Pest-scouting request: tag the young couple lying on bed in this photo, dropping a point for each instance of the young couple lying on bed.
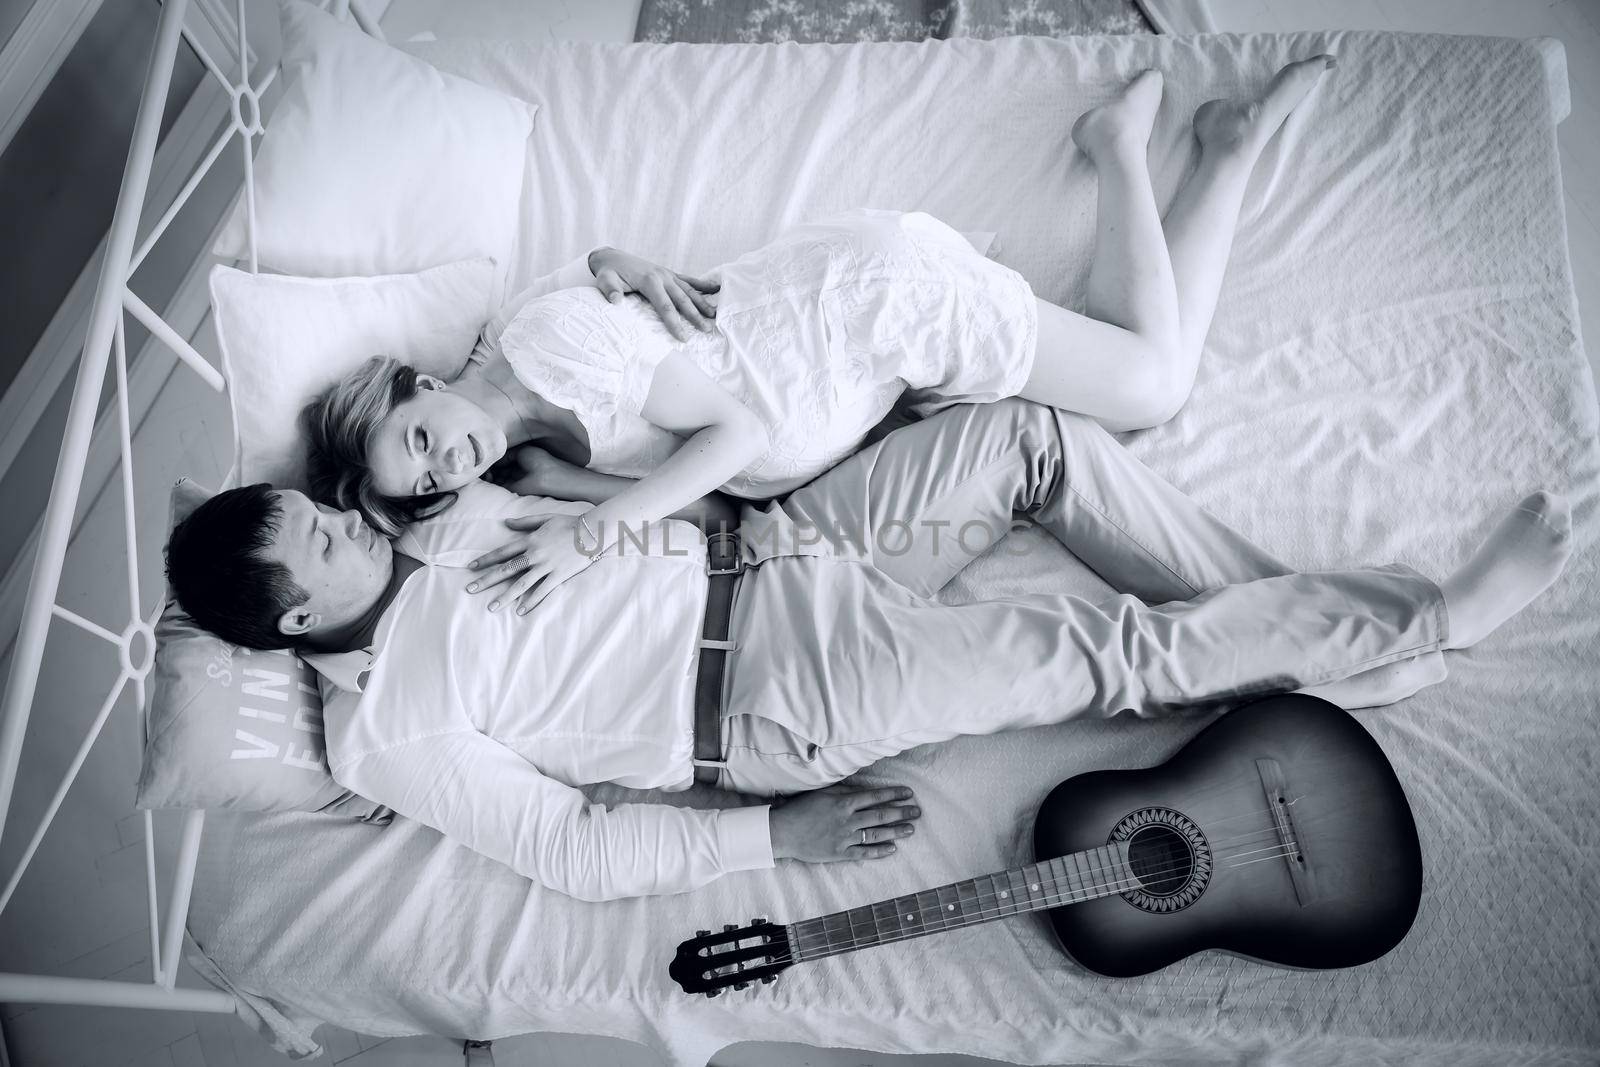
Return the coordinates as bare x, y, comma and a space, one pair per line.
483, 723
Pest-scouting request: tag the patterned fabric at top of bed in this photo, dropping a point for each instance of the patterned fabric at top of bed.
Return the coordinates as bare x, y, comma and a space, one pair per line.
1395, 356
824, 21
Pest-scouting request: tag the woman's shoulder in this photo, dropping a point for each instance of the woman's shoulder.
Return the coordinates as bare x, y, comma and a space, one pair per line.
582, 326
583, 302
570, 316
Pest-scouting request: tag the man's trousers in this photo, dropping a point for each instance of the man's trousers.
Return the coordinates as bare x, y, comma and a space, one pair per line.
842, 662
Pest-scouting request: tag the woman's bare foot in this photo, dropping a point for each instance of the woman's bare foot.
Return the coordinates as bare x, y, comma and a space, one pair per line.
1244, 126
1382, 686
1125, 122
1522, 556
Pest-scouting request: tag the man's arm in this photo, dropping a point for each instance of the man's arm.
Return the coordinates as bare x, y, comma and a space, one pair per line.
480, 793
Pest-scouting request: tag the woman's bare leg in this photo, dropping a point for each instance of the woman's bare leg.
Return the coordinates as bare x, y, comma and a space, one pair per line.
1202, 218
1130, 276
1131, 361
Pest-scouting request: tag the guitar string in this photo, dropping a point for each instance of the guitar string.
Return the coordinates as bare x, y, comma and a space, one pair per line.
1221, 852
984, 899
1054, 898
832, 950
1223, 844
1116, 885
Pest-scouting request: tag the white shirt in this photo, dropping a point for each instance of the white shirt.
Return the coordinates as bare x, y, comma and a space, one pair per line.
482, 725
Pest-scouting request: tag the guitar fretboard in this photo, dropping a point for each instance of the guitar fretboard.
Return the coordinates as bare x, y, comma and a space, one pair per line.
1070, 879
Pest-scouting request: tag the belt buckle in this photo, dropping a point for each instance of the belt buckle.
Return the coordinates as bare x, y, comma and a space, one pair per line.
730, 545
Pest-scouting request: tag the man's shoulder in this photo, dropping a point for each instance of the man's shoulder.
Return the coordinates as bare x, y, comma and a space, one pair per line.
401, 694
473, 502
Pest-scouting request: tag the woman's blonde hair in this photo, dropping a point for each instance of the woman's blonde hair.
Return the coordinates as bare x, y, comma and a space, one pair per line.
339, 426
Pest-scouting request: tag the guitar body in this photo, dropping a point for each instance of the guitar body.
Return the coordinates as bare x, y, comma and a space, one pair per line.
1279, 833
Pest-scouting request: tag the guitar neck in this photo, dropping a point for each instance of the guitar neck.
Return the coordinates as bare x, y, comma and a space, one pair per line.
1070, 879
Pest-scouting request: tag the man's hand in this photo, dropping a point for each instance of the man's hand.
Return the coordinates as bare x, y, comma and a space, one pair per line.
842, 823
675, 297
549, 550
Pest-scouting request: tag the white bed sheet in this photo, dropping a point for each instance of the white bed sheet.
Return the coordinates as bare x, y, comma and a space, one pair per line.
1396, 355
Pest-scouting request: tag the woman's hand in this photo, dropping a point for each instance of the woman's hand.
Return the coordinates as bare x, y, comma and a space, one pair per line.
675, 297
842, 823
551, 549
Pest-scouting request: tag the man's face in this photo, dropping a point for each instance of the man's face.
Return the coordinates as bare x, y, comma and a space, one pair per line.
338, 559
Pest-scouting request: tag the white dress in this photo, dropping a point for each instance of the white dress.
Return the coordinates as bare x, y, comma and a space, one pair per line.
819, 333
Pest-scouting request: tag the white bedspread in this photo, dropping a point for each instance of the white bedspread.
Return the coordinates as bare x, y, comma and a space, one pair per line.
1395, 357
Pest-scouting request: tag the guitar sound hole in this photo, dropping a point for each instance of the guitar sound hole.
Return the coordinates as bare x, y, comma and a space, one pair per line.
1161, 859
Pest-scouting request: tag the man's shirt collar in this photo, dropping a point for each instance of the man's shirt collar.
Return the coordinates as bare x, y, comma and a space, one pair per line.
347, 670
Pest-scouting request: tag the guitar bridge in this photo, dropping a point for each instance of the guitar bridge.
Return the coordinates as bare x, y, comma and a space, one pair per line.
1279, 799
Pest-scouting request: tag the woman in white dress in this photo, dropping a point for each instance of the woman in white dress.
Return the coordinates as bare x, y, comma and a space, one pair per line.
818, 336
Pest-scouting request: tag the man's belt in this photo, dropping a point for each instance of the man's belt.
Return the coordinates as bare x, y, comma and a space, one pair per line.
724, 564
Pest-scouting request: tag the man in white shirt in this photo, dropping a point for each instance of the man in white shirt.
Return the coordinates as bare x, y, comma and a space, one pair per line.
484, 724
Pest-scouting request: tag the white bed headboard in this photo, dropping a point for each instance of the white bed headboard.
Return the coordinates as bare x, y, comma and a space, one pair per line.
133, 645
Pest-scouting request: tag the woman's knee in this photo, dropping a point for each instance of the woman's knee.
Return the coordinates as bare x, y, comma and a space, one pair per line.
1158, 385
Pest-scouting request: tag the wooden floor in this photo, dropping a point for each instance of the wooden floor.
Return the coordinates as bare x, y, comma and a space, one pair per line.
94, 870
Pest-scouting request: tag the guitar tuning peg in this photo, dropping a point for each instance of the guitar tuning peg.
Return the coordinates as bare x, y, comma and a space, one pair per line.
713, 993
702, 933
768, 979
728, 927
740, 985
758, 922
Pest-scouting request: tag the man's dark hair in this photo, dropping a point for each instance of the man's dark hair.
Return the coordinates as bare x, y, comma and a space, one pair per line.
220, 574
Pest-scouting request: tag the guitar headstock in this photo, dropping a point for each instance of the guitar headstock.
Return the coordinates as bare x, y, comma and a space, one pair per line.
709, 963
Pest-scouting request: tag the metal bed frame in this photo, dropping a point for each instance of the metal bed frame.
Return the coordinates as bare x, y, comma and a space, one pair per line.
134, 645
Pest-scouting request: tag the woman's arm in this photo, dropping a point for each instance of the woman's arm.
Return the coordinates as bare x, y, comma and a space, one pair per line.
538, 473
723, 437
680, 300
684, 303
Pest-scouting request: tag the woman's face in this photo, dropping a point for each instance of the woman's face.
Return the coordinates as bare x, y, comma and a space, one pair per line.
432, 443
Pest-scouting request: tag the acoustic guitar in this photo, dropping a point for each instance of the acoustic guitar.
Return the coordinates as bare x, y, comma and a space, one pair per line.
1278, 833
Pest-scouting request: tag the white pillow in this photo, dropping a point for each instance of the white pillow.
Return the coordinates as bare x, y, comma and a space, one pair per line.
376, 163
284, 340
